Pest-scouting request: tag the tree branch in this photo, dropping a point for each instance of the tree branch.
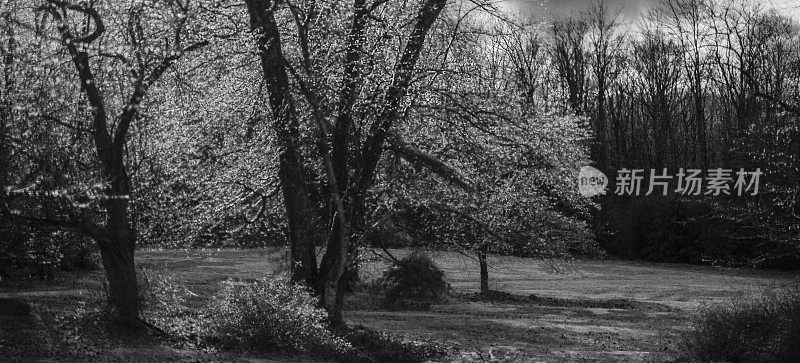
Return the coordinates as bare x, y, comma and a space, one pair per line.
438, 167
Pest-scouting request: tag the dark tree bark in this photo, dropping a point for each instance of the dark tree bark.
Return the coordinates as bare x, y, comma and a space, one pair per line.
300, 212
340, 145
5, 103
484, 271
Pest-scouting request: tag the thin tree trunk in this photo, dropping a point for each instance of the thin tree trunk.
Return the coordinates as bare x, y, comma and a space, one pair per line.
340, 145
332, 268
484, 271
601, 146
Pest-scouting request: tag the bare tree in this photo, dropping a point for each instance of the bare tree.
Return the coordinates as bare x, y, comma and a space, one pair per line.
568, 52
657, 81
604, 47
524, 50
685, 19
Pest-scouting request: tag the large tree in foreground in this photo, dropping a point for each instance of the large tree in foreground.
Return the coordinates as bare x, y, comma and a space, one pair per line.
349, 145
116, 63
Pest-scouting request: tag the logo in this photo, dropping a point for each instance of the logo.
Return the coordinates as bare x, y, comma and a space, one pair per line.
592, 182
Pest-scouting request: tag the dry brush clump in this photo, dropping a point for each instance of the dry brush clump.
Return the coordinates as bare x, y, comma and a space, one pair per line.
763, 328
414, 282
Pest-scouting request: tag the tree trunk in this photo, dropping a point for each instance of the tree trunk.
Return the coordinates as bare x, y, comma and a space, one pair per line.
601, 146
5, 104
118, 241
700, 116
300, 214
336, 257
484, 271
333, 265
117, 251
340, 145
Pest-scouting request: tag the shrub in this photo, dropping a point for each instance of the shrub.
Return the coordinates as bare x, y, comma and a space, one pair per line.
160, 293
41, 251
272, 316
413, 283
764, 328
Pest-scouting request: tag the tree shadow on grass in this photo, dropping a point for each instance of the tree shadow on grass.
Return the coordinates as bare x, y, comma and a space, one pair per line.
614, 303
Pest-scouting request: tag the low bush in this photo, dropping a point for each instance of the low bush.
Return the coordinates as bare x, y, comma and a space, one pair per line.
763, 328
159, 292
415, 282
272, 316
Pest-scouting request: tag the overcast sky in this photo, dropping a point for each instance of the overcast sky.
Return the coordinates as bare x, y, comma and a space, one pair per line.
548, 9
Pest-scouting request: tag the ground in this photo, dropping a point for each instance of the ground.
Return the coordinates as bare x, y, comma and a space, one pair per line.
576, 310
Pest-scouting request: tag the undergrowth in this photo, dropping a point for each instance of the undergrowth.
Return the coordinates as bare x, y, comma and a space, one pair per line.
761, 328
265, 316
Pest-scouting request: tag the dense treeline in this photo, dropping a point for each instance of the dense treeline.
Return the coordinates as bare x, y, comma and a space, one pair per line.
695, 85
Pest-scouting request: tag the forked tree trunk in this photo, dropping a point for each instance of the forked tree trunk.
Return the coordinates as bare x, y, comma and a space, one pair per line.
349, 205
365, 164
117, 239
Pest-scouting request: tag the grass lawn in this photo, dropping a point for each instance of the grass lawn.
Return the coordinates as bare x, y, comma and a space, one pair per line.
554, 311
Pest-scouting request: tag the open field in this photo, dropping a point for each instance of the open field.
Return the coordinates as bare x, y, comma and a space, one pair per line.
555, 311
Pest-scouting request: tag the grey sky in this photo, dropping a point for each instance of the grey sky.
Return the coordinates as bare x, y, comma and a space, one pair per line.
548, 9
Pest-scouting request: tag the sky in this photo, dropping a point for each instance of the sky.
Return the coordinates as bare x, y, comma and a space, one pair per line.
631, 9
